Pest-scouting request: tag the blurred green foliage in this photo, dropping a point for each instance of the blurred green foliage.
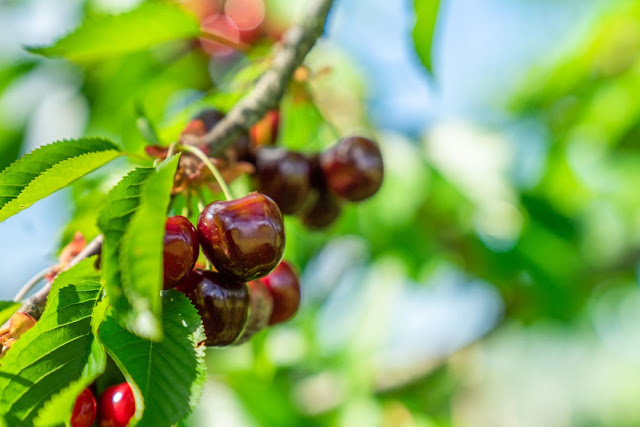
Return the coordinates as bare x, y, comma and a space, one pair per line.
456, 249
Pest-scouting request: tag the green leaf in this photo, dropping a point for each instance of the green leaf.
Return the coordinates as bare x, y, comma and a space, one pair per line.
59, 409
7, 308
423, 30
58, 350
50, 168
148, 25
133, 221
167, 377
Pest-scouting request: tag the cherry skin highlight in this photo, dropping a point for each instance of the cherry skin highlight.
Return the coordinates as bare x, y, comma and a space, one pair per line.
284, 286
353, 168
181, 249
243, 238
84, 410
117, 406
222, 302
284, 176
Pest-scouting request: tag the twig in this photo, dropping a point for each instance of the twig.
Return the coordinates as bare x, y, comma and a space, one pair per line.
34, 306
31, 283
271, 86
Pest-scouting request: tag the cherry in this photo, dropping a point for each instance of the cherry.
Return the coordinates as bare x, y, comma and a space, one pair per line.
284, 286
222, 302
117, 406
181, 250
265, 132
84, 410
322, 211
243, 238
209, 118
261, 308
284, 176
221, 26
248, 16
353, 168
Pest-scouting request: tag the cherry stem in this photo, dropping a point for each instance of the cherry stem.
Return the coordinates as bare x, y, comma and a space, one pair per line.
224, 41
31, 284
214, 170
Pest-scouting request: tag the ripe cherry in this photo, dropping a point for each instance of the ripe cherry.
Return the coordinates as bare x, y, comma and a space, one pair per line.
248, 15
222, 302
284, 176
209, 118
84, 410
181, 250
284, 286
243, 238
117, 406
322, 212
261, 308
353, 168
221, 26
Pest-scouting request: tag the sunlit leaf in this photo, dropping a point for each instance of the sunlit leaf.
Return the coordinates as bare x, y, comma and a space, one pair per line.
148, 25
50, 168
57, 351
167, 377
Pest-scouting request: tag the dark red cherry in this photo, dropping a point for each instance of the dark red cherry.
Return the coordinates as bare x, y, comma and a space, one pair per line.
353, 168
265, 132
284, 176
284, 286
117, 406
322, 211
181, 250
210, 117
84, 410
222, 302
261, 308
243, 238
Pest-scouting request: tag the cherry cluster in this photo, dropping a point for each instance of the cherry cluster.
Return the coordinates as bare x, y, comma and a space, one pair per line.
314, 187
244, 240
117, 406
249, 287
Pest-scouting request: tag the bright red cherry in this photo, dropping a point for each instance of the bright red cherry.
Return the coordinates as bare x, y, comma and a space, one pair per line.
181, 250
117, 406
222, 302
84, 410
284, 286
243, 238
261, 308
284, 176
353, 168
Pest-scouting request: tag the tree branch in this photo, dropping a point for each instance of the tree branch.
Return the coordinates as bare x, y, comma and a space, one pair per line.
34, 306
271, 86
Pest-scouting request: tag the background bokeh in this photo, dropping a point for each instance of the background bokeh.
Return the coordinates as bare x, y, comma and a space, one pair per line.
494, 279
